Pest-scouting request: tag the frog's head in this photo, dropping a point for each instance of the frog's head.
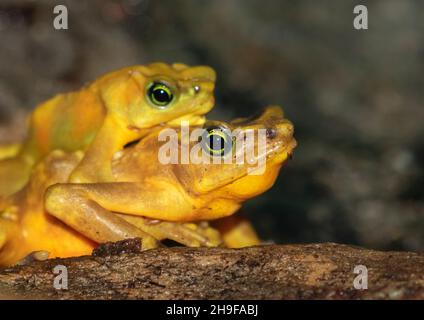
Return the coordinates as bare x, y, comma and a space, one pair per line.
164, 94
206, 172
251, 152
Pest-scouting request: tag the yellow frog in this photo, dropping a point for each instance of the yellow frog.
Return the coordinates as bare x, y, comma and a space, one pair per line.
81, 215
105, 115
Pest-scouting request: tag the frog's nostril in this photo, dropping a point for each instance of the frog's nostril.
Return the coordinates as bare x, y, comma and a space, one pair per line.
204, 86
271, 133
283, 130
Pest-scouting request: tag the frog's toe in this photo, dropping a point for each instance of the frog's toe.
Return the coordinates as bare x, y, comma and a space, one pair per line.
213, 236
195, 235
148, 243
41, 255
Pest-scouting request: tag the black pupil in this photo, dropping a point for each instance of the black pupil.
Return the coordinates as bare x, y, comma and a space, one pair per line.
216, 142
161, 95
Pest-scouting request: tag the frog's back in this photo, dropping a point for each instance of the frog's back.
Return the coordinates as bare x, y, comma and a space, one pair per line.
71, 120
67, 121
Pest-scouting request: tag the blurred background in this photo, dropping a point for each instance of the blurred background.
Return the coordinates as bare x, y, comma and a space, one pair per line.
355, 97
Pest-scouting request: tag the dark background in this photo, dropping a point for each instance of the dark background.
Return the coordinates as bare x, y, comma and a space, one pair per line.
355, 97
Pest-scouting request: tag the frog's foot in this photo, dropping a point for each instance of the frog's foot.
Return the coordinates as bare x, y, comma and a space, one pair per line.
188, 234
203, 230
34, 256
237, 232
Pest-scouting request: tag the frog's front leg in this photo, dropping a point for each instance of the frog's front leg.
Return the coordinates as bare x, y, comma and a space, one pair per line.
84, 207
96, 164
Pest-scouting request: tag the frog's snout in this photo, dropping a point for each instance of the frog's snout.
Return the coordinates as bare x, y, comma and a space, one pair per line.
201, 79
283, 130
204, 87
280, 140
200, 73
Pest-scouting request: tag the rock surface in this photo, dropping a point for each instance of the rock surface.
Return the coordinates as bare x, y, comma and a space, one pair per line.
313, 271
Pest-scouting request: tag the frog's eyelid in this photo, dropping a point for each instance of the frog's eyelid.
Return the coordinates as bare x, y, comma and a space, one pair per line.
164, 81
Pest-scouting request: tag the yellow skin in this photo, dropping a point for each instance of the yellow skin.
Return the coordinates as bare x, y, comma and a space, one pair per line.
105, 115
81, 215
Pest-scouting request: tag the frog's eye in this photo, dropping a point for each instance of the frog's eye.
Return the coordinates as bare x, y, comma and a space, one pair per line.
160, 94
216, 141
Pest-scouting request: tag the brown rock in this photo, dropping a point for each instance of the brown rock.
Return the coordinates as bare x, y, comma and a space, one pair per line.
314, 271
